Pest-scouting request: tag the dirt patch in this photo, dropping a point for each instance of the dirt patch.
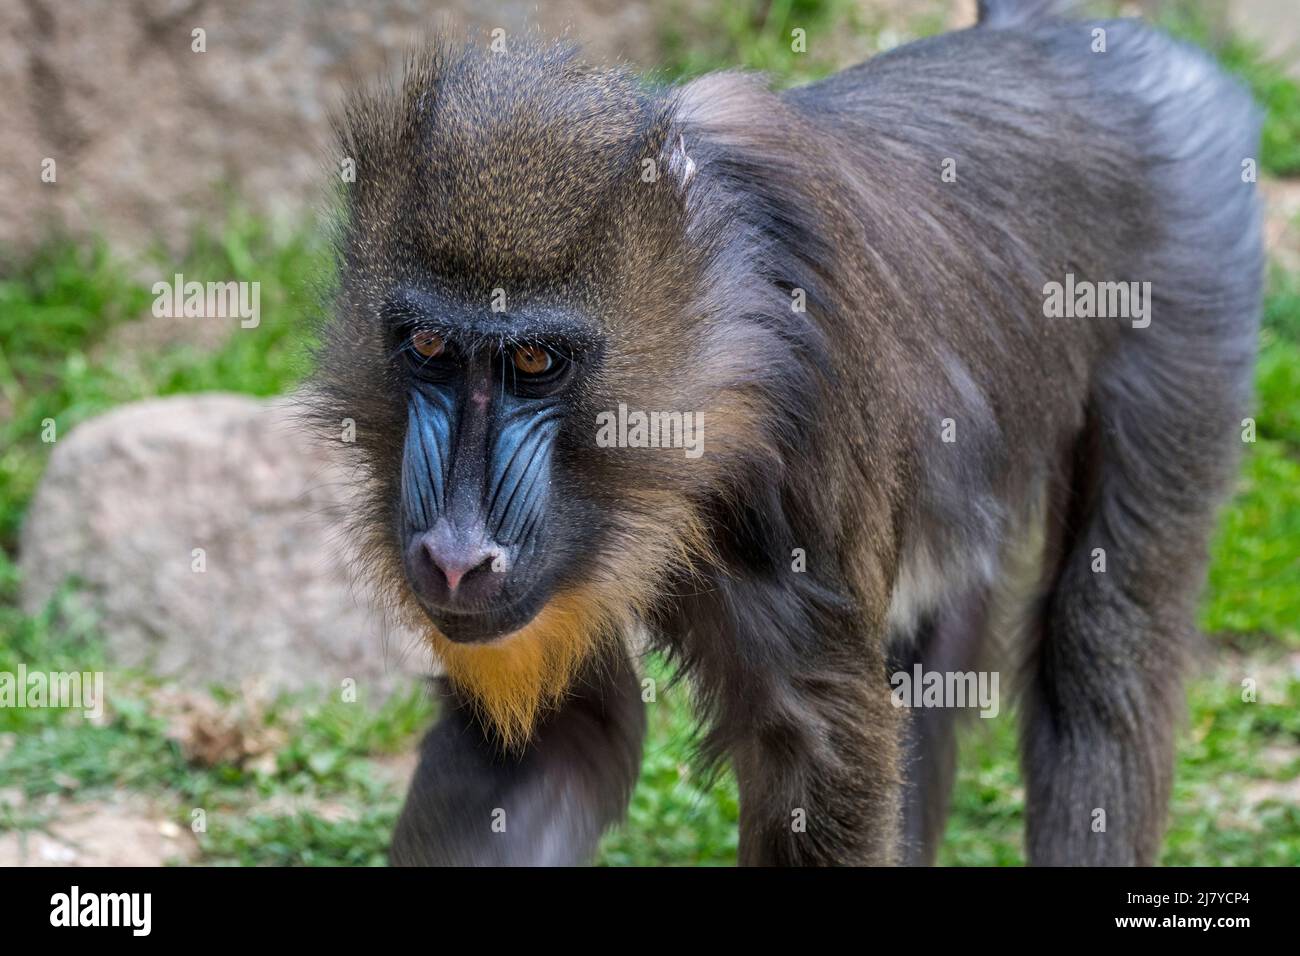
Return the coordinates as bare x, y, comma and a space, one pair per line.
124, 832
135, 831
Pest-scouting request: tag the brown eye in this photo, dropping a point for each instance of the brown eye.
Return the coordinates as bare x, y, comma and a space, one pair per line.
531, 359
427, 343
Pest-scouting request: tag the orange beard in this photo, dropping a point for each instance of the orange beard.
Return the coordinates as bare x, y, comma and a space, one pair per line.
513, 680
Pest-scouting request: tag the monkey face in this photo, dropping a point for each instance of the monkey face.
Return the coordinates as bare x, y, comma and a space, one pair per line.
507, 495
483, 538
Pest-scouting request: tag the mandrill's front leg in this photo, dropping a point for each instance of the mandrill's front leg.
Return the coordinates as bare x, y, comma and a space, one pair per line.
795, 686
471, 803
819, 772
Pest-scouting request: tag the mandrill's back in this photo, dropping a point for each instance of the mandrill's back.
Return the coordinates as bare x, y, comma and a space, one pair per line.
999, 171
1136, 148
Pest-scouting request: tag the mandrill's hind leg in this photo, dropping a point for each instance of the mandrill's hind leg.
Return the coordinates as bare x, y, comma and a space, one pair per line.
472, 804
1157, 456
1105, 695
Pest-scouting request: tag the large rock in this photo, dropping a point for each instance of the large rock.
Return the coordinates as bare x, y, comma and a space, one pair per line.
145, 132
129, 496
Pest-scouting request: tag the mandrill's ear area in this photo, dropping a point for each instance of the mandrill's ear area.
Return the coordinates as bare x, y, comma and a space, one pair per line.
748, 345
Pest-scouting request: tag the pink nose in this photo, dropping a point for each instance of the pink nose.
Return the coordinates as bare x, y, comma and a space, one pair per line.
458, 555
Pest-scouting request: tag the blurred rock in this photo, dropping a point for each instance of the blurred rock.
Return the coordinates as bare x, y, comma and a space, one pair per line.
150, 138
129, 496
145, 132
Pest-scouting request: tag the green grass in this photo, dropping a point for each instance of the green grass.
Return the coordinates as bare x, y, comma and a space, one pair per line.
1220, 760
760, 35
257, 816
63, 301
1254, 585
751, 34
60, 308
1254, 581
328, 756
676, 818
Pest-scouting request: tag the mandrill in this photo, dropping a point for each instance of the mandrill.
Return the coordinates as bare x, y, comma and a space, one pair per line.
911, 458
